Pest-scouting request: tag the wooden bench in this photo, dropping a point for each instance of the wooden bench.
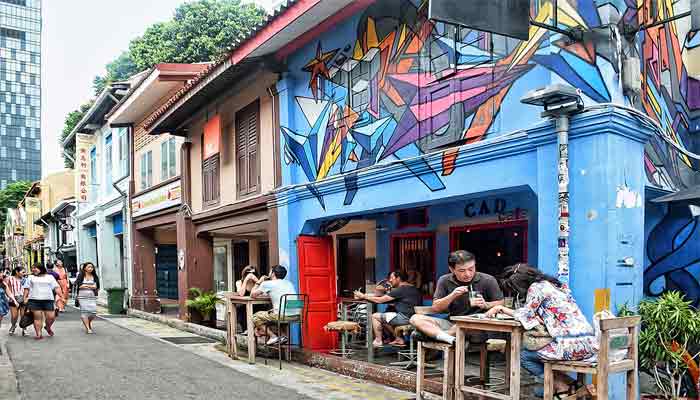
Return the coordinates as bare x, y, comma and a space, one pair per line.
604, 366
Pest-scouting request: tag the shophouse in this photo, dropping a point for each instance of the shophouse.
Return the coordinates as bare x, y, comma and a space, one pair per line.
401, 139
101, 190
155, 186
33, 234
57, 206
14, 238
227, 118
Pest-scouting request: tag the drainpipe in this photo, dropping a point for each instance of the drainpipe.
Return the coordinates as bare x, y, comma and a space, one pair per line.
562, 130
124, 210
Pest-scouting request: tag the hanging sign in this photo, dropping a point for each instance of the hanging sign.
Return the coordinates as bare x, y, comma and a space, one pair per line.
83, 145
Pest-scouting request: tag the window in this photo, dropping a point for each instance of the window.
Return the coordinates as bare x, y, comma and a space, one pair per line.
93, 166
123, 152
247, 162
14, 174
3, 151
210, 180
3, 184
23, 154
415, 218
167, 159
18, 142
146, 170
108, 163
415, 254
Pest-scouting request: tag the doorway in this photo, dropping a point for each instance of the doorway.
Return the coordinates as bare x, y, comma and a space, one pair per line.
495, 246
166, 271
351, 264
414, 253
241, 258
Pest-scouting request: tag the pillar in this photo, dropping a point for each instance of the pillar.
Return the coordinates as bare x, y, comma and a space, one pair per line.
143, 275
195, 261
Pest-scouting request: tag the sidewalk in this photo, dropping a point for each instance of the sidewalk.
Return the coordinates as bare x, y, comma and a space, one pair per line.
313, 382
8, 379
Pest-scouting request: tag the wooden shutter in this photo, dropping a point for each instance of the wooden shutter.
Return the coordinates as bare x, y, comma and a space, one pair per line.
247, 151
210, 180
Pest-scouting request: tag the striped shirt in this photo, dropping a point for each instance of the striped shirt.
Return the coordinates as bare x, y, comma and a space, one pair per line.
15, 286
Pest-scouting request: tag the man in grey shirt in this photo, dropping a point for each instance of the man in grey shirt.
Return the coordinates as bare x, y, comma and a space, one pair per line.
452, 296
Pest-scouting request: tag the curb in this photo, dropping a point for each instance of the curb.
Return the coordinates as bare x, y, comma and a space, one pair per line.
200, 330
8, 379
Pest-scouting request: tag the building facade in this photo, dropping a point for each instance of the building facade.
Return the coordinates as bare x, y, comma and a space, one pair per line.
20, 91
57, 207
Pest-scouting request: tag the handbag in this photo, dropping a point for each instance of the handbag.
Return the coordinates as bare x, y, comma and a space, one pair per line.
77, 302
536, 338
27, 319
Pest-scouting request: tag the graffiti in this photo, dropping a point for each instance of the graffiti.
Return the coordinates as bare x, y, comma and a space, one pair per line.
403, 86
674, 255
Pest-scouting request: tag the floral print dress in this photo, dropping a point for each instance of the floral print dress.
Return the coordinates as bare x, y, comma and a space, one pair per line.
556, 309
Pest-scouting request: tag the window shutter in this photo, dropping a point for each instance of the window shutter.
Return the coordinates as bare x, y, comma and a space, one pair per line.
247, 150
210, 180
164, 161
253, 176
241, 154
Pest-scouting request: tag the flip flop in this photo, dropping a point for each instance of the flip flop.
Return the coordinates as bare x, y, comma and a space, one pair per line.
38, 337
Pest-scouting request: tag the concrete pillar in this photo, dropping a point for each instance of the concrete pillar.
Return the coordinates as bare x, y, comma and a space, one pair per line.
195, 261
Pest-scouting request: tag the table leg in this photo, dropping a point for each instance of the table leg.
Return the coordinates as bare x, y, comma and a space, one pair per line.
233, 329
515, 339
251, 333
459, 364
343, 336
506, 352
370, 333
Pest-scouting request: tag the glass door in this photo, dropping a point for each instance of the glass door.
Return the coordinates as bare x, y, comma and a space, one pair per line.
221, 268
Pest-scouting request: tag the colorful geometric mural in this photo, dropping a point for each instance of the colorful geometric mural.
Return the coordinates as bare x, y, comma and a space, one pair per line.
403, 86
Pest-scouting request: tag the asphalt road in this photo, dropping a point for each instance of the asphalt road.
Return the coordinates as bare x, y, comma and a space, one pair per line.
118, 364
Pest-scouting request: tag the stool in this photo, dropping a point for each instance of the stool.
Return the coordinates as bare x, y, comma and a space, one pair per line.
344, 327
490, 345
410, 355
448, 378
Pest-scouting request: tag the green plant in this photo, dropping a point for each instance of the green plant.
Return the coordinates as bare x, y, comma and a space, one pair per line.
194, 292
670, 327
204, 302
625, 310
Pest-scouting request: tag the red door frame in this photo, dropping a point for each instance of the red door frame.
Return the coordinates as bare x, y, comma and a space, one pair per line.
415, 235
490, 226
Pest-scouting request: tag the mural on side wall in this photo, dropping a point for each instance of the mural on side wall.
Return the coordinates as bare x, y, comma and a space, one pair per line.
404, 86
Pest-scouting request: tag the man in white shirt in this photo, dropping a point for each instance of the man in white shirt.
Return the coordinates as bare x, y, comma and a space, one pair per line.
275, 286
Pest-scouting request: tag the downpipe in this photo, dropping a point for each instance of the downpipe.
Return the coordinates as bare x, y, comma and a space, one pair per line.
562, 129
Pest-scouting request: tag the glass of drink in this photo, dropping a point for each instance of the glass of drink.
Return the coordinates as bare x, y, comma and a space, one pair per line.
474, 297
508, 302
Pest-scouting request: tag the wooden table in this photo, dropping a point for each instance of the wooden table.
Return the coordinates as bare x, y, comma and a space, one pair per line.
512, 373
232, 300
344, 303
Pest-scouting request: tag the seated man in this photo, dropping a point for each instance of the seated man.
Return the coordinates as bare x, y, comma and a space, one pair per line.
274, 286
452, 295
404, 297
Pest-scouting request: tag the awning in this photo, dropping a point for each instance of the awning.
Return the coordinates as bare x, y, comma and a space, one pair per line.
691, 195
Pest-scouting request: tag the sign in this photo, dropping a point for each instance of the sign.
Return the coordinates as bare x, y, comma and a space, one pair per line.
83, 145
66, 227
32, 205
502, 17
212, 135
158, 199
494, 208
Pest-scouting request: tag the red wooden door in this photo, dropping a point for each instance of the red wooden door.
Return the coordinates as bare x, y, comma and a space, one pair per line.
317, 280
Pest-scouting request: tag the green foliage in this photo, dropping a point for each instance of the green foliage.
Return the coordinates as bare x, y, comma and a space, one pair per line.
204, 302
200, 31
71, 121
670, 327
13, 194
194, 292
625, 311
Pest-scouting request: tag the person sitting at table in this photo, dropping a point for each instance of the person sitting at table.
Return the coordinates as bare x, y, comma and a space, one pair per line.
551, 304
274, 286
452, 295
404, 297
244, 287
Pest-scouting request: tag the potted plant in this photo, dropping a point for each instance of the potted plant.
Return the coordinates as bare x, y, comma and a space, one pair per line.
670, 333
201, 305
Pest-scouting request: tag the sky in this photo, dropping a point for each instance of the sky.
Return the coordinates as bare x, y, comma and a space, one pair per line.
79, 38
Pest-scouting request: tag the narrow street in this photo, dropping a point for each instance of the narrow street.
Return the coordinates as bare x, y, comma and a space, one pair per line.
118, 364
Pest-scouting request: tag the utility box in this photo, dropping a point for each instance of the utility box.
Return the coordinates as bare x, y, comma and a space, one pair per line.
115, 300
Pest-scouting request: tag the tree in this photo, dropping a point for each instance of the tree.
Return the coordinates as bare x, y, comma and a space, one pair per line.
71, 121
200, 31
11, 196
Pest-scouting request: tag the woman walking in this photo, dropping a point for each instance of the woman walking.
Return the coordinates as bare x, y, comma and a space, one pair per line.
40, 292
6, 297
88, 285
15, 284
63, 283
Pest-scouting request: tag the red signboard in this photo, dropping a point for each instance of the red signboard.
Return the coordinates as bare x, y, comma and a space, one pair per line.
212, 136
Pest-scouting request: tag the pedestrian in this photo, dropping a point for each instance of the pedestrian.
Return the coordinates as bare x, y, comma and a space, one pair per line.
63, 283
88, 285
40, 291
15, 284
6, 297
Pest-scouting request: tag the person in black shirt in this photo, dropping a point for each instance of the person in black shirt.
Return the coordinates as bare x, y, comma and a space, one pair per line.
404, 297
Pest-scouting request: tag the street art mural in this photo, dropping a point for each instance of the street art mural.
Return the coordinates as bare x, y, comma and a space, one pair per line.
674, 255
402, 86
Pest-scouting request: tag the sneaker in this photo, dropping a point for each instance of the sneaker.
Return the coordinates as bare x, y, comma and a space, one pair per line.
273, 341
284, 340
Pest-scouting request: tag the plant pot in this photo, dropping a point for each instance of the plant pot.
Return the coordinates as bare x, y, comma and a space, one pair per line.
195, 316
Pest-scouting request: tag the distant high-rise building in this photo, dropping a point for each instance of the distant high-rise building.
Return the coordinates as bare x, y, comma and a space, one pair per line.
20, 91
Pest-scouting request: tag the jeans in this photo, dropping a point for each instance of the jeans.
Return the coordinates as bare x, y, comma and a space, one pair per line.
532, 362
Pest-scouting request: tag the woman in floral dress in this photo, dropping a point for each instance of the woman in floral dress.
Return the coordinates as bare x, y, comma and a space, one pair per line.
551, 304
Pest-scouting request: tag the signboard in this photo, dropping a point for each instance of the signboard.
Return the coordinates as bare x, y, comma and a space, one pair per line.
502, 17
212, 135
83, 145
32, 205
158, 199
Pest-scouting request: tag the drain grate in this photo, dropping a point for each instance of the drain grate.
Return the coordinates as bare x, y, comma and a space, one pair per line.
189, 340
111, 316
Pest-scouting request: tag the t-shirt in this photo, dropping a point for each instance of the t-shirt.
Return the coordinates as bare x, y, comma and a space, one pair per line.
405, 298
483, 283
276, 289
41, 287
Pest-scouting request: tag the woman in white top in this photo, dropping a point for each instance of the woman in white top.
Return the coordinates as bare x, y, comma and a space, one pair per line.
40, 291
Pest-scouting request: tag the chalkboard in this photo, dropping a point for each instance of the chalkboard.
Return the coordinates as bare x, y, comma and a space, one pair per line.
503, 17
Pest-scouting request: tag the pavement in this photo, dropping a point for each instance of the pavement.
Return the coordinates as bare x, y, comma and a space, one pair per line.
131, 358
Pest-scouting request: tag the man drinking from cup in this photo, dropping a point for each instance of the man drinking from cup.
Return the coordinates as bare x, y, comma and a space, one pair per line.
463, 291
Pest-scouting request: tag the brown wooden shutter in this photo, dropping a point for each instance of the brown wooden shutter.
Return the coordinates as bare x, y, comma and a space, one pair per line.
247, 151
210, 180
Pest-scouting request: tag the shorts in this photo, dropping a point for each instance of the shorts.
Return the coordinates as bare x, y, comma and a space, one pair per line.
395, 319
473, 337
19, 298
40, 305
268, 317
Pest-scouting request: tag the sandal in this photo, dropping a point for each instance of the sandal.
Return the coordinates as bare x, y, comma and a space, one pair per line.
38, 337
